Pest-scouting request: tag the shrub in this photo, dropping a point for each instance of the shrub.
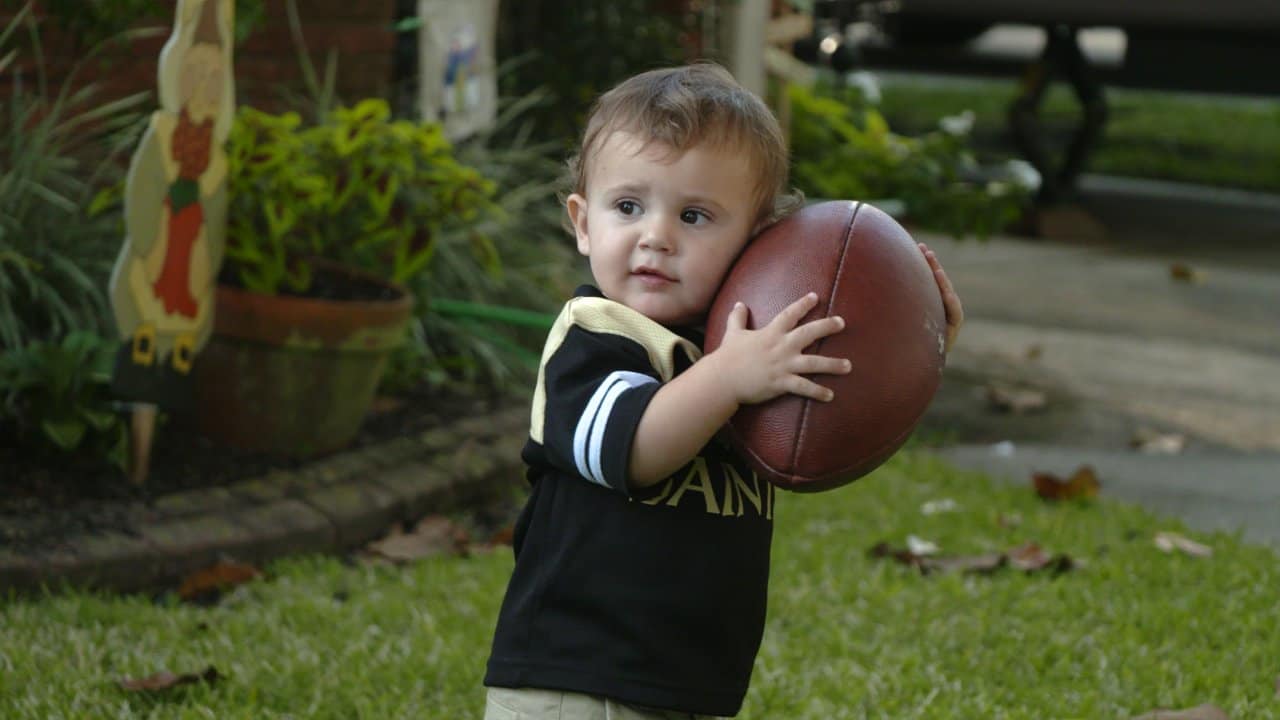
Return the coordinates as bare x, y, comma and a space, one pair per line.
58, 395
359, 189
57, 150
843, 148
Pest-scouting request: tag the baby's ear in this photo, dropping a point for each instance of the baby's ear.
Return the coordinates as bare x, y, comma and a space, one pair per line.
576, 206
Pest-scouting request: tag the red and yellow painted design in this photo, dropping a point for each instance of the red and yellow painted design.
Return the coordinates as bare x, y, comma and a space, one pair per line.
162, 287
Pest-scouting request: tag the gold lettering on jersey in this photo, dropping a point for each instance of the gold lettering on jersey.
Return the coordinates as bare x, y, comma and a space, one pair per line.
697, 473
749, 492
720, 489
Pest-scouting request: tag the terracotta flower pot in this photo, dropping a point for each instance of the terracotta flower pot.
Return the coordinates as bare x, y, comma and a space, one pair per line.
294, 376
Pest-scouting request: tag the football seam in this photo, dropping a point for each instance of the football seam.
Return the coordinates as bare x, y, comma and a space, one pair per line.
831, 299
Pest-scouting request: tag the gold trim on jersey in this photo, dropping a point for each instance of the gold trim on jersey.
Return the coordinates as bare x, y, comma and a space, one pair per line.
601, 315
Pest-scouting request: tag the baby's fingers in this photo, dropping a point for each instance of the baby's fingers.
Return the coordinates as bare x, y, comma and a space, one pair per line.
811, 332
738, 316
792, 313
804, 387
820, 365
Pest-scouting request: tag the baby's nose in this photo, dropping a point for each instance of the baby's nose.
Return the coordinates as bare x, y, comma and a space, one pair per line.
657, 238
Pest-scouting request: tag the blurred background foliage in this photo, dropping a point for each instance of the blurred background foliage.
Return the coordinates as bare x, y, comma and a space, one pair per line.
92, 22
576, 49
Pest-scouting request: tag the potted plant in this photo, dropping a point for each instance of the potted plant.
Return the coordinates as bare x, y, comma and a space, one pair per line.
325, 226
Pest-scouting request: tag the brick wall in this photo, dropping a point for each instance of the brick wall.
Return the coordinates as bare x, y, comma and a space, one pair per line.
359, 31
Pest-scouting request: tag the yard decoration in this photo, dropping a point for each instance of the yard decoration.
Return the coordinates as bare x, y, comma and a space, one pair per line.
458, 74
326, 225
175, 207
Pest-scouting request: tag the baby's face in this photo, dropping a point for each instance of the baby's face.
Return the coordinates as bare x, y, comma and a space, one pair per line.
661, 230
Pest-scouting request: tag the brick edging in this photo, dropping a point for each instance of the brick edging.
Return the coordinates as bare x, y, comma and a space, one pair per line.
331, 505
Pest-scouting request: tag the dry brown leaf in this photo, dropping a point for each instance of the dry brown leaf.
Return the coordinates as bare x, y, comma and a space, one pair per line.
1153, 442
1170, 541
904, 556
1028, 558
1199, 712
1031, 557
1083, 483
1183, 272
432, 535
1006, 398
505, 536
207, 585
166, 680
981, 564
1012, 520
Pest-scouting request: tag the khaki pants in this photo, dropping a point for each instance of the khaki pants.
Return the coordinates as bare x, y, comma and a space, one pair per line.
531, 704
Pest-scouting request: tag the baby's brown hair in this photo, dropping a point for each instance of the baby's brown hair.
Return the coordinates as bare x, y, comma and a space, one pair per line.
681, 107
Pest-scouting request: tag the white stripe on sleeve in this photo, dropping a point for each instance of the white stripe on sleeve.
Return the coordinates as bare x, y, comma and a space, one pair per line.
588, 436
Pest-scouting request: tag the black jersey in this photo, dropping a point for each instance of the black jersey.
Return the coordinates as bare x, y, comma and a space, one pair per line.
652, 597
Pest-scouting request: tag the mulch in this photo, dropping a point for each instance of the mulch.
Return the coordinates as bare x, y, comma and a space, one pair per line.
43, 496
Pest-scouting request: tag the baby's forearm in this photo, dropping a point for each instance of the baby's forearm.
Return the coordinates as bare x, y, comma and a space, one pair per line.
680, 419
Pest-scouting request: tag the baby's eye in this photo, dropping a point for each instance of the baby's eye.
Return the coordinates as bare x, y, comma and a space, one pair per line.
628, 207
694, 217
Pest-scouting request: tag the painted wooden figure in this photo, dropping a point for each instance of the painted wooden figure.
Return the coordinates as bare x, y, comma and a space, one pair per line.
162, 286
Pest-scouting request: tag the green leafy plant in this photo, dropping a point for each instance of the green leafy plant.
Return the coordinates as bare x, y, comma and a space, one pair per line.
359, 189
482, 314
57, 149
843, 148
58, 394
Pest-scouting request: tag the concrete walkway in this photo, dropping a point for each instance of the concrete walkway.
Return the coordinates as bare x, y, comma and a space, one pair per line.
1098, 322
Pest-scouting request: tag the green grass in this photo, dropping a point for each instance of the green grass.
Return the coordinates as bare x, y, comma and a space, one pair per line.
848, 636
1221, 141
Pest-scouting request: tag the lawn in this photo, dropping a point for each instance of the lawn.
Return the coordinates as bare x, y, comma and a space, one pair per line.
1128, 630
1230, 142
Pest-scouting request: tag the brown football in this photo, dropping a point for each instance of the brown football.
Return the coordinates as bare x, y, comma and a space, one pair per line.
866, 268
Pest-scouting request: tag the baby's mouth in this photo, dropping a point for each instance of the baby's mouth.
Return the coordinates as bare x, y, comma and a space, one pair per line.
652, 275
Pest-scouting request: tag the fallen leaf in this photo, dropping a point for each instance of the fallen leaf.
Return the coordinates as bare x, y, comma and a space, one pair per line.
933, 507
432, 535
1068, 222
906, 557
1199, 712
208, 585
505, 536
980, 564
166, 680
1007, 398
1012, 520
1156, 443
1028, 558
1083, 483
1031, 557
1170, 541
916, 546
1183, 272
1004, 449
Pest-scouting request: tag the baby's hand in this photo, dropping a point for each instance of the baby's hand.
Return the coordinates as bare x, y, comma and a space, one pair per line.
759, 365
950, 300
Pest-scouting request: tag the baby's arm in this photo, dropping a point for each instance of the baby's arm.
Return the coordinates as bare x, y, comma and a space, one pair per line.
750, 366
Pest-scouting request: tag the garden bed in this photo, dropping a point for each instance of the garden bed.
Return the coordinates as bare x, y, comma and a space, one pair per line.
47, 498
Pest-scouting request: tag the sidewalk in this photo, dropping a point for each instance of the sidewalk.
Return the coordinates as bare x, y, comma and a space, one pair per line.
1117, 344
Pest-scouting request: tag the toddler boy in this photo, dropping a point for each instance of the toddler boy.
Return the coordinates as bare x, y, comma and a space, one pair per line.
642, 556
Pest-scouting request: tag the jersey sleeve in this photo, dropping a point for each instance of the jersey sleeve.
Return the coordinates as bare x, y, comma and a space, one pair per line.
597, 387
